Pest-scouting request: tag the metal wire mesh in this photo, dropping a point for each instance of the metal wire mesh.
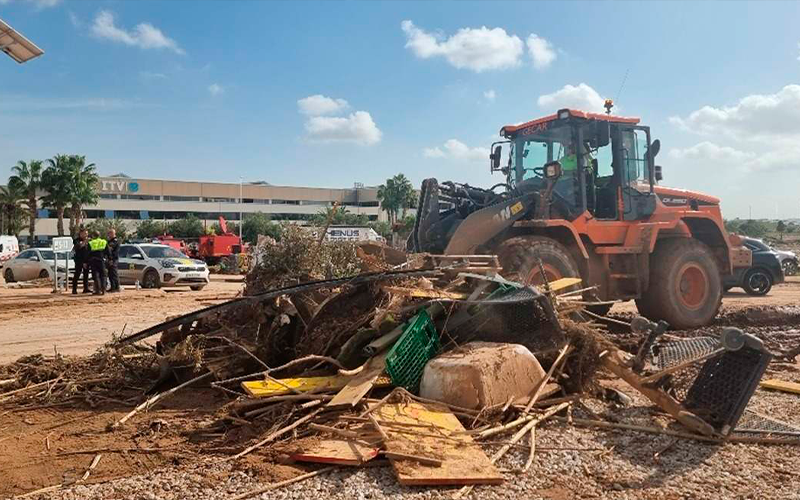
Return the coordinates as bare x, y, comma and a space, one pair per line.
517, 316
752, 423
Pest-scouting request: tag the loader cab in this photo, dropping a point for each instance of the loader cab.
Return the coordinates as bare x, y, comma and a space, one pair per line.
607, 163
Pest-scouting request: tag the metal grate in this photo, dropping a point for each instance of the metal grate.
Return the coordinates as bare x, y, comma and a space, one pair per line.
674, 353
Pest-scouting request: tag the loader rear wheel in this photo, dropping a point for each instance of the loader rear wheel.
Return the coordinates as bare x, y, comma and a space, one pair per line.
685, 284
520, 260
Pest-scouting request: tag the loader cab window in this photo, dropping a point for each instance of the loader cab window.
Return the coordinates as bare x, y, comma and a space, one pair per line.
635, 172
534, 155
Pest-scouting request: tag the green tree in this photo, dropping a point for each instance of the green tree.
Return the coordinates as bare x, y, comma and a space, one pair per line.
27, 177
383, 228
338, 216
189, 227
781, 228
83, 189
103, 225
753, 228
233, 228
150, 228
396, 196
57, 182
12, 213
259, 224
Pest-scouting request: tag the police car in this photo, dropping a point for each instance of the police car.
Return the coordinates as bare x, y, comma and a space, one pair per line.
154, 266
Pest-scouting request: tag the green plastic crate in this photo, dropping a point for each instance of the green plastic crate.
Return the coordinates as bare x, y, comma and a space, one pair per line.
415, 347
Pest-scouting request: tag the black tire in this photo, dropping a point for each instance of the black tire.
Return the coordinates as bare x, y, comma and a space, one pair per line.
685, 284
197, 288
789, 267
519, 258
757, 282
151, 279
8, 275
44, 274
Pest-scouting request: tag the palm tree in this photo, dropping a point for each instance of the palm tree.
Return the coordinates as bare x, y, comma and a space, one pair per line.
396, 195
57, 181
83, 189
12, 215
27, 177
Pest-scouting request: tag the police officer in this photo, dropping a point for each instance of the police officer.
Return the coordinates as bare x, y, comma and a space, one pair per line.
97, 254
112, 259
81, 258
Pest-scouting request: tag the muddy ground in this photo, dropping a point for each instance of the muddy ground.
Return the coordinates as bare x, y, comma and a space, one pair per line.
45, 445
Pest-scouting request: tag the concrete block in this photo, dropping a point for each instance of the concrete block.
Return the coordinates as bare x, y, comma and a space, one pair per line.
481, 374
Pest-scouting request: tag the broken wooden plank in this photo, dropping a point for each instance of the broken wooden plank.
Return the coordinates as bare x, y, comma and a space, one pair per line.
270, 388
426, 294
337, 452
361, 384
433, 462
561, 284
462, 461
780, 385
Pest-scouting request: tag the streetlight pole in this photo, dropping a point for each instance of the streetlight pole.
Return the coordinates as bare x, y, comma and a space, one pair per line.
241, 208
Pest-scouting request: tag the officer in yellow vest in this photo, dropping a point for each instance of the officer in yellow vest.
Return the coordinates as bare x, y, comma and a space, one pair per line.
97, 255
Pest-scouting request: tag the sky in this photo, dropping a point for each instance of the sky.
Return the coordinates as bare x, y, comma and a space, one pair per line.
330, 93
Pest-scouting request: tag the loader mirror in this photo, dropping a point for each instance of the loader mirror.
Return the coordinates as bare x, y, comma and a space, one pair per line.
495, 158
655, 147
552, 170
602, 134
659, 173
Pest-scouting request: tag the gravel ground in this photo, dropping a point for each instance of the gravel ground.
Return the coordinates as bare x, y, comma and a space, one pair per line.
571, 463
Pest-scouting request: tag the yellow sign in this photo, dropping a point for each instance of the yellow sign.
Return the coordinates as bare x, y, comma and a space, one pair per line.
516, 208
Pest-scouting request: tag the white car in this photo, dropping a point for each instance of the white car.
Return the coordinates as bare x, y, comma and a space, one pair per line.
36, 263
154, 266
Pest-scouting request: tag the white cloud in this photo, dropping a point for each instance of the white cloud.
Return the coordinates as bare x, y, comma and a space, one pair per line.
710, 156
358, 128
712, 152
490, 95
541, 51
216, 89
767, 117
74, 20
317, 105
454, 149
144, 35
39, 4
476, 49
582, 97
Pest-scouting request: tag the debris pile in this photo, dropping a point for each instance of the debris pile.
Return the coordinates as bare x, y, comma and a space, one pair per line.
417, 365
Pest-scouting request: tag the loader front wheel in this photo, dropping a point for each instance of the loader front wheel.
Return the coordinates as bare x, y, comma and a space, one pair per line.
520, 260
685, 284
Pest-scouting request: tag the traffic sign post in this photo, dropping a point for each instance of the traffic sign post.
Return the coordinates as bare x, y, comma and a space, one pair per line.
61, 244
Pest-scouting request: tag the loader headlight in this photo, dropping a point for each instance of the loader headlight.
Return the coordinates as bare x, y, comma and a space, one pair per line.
563, 114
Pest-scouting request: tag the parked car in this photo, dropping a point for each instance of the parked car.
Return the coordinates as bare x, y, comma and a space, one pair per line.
789, 262
36, 263
9, 248
765, 271
156, 265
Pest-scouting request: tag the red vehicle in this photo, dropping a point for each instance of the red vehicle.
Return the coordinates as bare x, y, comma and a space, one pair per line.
173, 242
212, 248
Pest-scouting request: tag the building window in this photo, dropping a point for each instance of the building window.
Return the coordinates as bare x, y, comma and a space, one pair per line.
139, 197
368, 204
313, 202
285, 202
181, 198
105, 196
256, 201
219, 200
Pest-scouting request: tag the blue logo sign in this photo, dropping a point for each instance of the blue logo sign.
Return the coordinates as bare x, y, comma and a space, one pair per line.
133, 187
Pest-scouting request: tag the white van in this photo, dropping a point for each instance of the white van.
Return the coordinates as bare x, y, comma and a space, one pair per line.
9, 248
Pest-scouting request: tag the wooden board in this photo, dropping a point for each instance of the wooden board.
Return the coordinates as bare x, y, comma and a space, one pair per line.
267, 388
563, 283
780, 385
336, 451
436, 434
427, 294
360, 385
